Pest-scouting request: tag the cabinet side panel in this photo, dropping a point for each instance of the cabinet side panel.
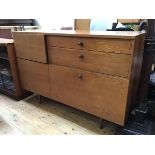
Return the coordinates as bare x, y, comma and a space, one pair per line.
136, 66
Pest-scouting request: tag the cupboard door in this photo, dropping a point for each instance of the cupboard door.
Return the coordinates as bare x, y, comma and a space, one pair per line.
34, 76
98, 94
30, 46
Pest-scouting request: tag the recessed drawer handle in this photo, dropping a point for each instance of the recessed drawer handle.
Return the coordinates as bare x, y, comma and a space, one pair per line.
81, 44
81, 56
80, 76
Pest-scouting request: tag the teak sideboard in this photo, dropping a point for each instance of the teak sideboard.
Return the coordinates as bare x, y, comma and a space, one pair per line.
96, 72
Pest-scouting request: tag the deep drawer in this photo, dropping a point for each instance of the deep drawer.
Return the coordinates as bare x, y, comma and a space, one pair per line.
101, 95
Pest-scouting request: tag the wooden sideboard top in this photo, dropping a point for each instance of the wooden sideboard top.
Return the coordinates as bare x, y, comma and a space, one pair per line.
85, 33
5, 41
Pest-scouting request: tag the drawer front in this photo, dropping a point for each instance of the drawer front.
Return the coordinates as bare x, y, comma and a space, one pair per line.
95, 44
34, 76
101, 95
30, 46
109, 63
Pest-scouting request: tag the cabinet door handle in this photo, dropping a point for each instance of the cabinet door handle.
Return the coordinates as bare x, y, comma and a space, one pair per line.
81, 56
80, 76
81, 44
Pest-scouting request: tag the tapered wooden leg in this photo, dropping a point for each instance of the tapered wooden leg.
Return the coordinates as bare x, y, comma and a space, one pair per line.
40, 99
102, 123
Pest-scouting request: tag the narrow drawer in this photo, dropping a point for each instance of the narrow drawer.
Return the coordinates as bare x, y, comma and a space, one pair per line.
108, 63
30, 46
95, 44
100, 95
34, 76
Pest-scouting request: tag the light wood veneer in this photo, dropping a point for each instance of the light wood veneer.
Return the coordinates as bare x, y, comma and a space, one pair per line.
96, 72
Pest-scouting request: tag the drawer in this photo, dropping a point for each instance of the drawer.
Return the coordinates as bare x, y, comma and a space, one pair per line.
30, 46
101, 95
108, 63
95, 44
34, 76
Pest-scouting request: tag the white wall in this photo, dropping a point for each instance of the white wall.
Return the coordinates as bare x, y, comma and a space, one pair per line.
54, 23
50, 14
